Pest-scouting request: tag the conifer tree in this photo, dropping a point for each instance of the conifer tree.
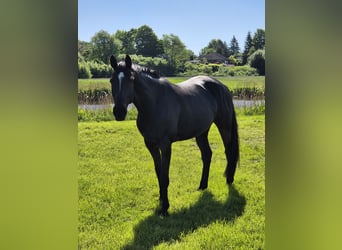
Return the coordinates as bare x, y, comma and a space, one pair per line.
247, 48
234, 47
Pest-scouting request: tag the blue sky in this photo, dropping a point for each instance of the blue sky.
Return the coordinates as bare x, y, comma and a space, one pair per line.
194, 22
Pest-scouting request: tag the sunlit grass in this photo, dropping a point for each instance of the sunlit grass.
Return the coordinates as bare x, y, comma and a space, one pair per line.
118, 191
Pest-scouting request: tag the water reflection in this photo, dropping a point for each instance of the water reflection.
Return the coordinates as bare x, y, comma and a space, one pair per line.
237, 104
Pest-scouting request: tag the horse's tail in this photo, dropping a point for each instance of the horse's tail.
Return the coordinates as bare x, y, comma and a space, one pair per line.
228, 127
235, 137
232, 144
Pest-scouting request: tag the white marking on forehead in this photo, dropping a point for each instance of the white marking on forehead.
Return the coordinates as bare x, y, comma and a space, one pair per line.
121, 75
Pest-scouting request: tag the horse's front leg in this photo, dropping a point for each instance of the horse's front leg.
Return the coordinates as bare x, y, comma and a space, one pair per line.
165, 149
155, 153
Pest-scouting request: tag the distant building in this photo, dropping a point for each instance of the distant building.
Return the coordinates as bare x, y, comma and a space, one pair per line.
214, 58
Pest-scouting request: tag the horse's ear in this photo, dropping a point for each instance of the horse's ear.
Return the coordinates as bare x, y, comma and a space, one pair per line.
113, 62
128, 62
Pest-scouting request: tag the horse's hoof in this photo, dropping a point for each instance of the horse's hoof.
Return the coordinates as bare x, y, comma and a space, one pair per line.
163, 213
202, 187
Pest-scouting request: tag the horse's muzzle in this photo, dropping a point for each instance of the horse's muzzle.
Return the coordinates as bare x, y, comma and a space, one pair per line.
119, 112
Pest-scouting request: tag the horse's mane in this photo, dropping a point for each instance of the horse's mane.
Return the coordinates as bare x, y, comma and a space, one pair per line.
141, 69
145, 70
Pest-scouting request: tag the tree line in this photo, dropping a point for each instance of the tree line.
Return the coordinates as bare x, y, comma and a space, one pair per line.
168, 53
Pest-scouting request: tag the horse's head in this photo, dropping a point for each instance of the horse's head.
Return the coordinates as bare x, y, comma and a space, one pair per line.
122, 86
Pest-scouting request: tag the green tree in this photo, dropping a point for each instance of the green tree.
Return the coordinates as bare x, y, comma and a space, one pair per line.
207, 50
259, 39
175, 51
147, 43
190, 54
84, 49
248, 46
127, 39
216, 45
103, 45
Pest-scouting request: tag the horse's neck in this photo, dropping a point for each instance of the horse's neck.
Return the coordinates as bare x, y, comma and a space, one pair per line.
145, 94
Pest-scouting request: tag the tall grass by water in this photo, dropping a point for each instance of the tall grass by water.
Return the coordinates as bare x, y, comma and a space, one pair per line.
97, 91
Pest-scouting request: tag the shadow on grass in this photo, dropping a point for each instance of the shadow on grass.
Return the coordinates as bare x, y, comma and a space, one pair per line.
155, 229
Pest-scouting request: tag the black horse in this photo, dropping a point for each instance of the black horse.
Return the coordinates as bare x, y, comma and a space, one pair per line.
169, 112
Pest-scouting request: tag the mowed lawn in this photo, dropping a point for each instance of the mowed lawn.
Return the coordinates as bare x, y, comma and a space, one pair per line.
118, 191
230, 82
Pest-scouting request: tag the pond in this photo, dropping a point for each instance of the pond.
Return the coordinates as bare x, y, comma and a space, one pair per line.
237, 104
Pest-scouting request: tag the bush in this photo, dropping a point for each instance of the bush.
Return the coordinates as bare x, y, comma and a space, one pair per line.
93, 69
189, 66
192, 69
214, 67
83, 70
100, 70
223, 70
242, 71
257, 61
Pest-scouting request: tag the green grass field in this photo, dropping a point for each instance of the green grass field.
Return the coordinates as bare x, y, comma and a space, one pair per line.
231, 82
118, 191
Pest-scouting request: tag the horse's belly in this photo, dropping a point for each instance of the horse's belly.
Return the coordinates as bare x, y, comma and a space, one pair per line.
186, 136
190, 128
196, 117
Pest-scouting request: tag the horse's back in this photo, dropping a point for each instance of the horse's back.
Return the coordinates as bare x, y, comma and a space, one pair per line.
205, 82
205, 86
196, 80
219, 95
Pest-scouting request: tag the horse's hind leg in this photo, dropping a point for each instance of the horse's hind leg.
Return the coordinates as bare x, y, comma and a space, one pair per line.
203, 144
